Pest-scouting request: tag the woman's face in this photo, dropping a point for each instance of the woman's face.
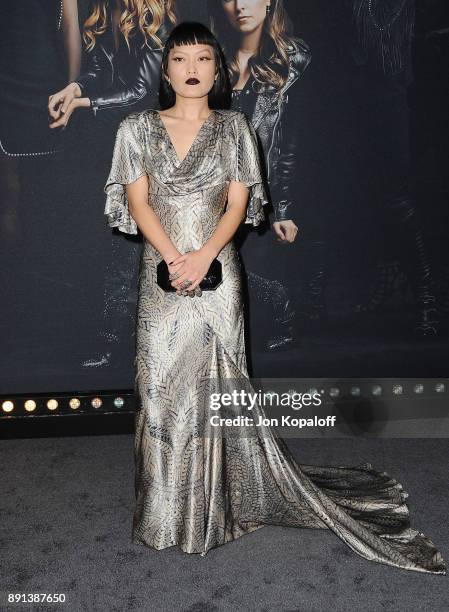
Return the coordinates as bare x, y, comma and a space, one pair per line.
245, 16
191, 70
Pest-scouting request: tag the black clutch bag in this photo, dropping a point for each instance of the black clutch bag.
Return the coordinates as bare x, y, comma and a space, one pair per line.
210, 282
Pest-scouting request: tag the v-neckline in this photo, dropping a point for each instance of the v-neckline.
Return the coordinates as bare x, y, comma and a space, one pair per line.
194, 141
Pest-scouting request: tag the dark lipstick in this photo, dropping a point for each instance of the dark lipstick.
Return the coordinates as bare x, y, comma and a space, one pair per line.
192, 81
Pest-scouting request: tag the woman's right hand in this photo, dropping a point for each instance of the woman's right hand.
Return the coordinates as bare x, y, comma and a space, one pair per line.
59, 102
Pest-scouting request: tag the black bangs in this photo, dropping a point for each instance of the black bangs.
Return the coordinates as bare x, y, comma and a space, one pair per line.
190, 33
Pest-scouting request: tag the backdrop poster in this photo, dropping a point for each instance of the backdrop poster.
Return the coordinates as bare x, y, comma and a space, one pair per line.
349, 104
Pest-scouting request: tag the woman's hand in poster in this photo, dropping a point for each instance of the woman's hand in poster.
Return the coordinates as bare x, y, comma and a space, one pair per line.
62, 104
285, 231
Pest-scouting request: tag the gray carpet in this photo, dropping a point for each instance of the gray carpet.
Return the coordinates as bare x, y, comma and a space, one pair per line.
66, 508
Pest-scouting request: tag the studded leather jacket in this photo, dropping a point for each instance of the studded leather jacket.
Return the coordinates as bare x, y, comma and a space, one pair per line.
125, 80
274, 117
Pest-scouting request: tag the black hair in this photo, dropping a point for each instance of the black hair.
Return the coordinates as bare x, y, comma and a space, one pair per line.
193, 33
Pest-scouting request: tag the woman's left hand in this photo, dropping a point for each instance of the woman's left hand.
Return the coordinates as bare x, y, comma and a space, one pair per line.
285, 230
67, 112
195, 265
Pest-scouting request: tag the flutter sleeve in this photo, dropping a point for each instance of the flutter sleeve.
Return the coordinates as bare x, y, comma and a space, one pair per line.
127, 166
247, 169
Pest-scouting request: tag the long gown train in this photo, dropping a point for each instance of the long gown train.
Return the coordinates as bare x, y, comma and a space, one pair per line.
201, 491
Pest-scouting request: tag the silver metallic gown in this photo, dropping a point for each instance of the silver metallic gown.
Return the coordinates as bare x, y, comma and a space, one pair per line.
194, 488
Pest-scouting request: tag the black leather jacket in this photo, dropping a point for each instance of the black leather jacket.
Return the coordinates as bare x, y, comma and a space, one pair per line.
125, 80
276, 120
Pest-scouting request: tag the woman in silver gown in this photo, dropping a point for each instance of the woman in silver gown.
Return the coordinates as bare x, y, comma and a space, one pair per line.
195, 488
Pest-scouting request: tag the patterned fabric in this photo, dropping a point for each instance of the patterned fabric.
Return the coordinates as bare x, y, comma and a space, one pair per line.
197, 488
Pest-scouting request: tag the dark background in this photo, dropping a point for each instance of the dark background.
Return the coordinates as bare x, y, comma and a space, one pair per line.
57, 247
